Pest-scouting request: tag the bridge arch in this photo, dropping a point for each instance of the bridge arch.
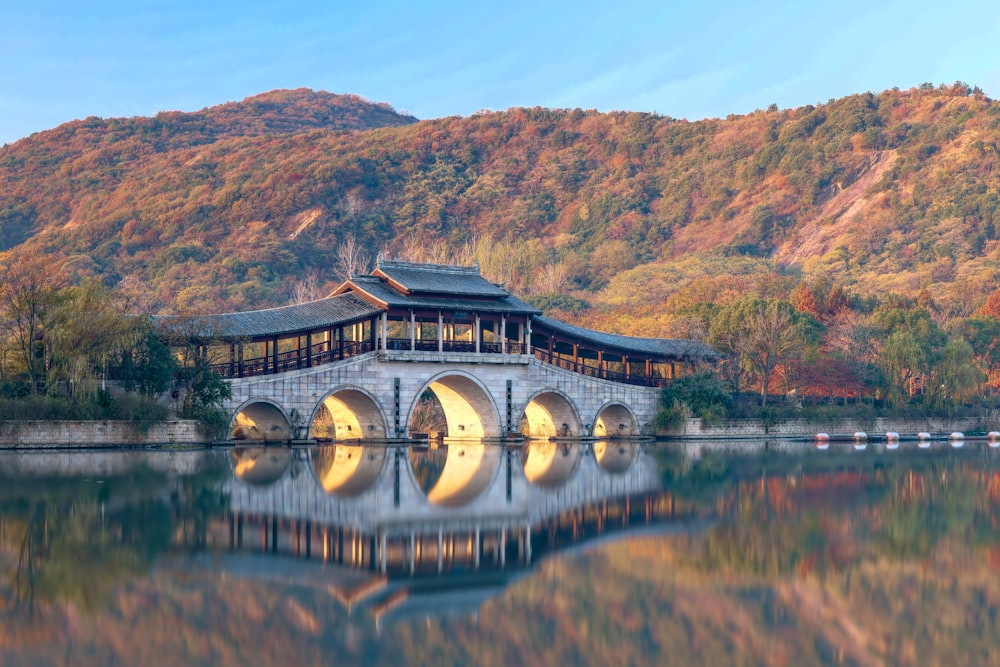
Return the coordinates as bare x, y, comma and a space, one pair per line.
354, 414
549, 413
260, 466
260, 419
347, 470
615, 420
468, 406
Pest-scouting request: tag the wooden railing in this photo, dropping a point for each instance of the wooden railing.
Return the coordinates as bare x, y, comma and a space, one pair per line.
315, 355
580, 367
323, 353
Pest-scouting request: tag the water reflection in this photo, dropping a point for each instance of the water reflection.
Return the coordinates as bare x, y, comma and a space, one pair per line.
549, 463
347, 470
261, 465
754, 553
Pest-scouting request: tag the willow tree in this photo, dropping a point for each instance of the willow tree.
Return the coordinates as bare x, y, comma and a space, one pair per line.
86, 335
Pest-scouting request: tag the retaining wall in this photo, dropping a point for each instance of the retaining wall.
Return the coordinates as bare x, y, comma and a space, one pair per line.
52, 434
795, 428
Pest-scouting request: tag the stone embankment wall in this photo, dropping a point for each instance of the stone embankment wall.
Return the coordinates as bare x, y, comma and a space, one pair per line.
796, 428
53, 434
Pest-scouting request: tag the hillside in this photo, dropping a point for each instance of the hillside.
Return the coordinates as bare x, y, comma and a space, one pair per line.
229, 207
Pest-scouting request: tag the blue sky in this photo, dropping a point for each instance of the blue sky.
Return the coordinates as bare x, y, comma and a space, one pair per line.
61, 61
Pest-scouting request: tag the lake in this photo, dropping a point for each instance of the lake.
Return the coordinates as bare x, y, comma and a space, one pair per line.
613, 552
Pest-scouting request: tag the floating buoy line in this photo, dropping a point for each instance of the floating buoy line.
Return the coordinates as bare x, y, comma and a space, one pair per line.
892, 439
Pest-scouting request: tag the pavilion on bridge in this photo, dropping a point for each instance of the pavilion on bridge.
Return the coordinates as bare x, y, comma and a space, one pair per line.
405, 306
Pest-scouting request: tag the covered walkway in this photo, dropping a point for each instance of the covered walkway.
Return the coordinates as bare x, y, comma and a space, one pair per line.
424, 308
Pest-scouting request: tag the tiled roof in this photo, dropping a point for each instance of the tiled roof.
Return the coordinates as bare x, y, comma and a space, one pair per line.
311, 316
675, 348
438, 279
383, 292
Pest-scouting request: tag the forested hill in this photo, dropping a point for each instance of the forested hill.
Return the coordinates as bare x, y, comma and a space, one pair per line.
634, 213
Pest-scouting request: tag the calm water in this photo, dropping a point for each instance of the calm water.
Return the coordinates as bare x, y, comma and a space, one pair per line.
604, 553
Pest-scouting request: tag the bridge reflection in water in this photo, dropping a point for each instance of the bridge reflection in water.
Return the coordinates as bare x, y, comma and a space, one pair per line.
437, 529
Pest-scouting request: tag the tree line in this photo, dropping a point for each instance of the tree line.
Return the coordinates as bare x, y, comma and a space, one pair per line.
818, 343
87, 351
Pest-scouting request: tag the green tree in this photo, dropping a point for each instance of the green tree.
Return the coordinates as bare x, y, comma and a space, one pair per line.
702, 395
86, 335
955, 377
206, 393
902, 359
148, 367
912, 348
983, 335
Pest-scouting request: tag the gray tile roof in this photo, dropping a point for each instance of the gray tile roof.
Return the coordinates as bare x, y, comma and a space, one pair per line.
672, 348
311, 316
383, 292
438, 279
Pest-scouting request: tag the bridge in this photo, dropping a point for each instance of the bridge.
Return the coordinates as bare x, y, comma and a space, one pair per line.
365, 361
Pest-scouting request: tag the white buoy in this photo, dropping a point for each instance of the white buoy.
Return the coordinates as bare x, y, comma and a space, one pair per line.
993, 438
924, 439
860, 440
892, 440
957, 439
822, 441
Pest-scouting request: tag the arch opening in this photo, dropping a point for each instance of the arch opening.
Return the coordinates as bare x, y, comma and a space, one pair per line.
347, 470
550, 415
616, 421
260, 465
550, 464
261, 421
348, 414
468, 410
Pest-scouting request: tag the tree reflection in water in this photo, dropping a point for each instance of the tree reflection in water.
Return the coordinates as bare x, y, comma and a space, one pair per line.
73, 539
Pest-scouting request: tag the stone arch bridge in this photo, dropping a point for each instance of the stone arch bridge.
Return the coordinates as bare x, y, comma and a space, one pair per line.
357, 364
